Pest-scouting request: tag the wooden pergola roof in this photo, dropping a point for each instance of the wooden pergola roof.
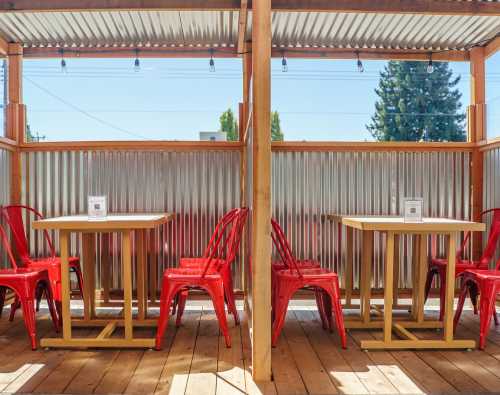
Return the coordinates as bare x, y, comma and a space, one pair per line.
302, 28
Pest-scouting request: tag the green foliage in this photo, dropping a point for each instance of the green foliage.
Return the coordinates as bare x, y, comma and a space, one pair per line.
276, 133
229, 125
414, 105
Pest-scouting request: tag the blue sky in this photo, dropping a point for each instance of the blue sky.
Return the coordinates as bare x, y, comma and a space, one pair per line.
174, 99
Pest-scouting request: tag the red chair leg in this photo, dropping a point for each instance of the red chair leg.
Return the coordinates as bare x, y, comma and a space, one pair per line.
13, 308
321, 308
486, 305
442, 293
28, 307
175, 302
3, 291
495, 317
460, 306
428, 283
181, 304
216, 291
167, 294
327, 303
473, 293
333, 291
38, 296
282, 301
230, 298
52, 307
79, 277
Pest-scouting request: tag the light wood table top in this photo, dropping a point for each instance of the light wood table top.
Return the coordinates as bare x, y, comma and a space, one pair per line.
112, 221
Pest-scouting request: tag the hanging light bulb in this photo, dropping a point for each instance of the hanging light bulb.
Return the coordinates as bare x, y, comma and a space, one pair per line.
284, 65
430, 66
211, 63
137, 62
63, 62
360, 64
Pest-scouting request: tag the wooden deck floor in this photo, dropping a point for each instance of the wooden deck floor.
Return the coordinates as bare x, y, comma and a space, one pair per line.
195, 361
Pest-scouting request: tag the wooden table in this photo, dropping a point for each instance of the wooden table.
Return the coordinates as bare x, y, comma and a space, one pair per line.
393, 227
124, 224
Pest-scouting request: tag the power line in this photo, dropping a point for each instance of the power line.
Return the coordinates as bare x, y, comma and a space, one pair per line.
78, 109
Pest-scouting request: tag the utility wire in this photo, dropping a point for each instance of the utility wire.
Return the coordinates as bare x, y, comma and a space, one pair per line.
86, 113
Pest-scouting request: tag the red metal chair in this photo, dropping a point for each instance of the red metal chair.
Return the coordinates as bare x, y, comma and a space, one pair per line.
437, 266
209, 278
285, 253
199, 262
287, 281
487, 284
14, 218
24, 282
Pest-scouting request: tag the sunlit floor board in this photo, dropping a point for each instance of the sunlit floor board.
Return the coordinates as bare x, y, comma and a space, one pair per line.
194, 360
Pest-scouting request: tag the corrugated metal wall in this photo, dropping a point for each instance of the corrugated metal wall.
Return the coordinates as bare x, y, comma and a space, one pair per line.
198, 186
491, 181
306, 185
4, 190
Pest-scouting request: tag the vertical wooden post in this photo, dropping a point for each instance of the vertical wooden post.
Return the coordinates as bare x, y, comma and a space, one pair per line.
476, 133
15, 115
261, 202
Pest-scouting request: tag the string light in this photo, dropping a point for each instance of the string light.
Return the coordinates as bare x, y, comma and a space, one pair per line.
63, 62
360, 64
284, 65
137, 63
211, 63
430, 66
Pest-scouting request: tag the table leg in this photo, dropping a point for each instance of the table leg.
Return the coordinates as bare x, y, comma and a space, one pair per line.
153, 267
141, 274
366, 275
450, 288
127, 284
88, 255
105, 267
65, 286
349, 265
396, 270
414, 274
388, 286
422, 270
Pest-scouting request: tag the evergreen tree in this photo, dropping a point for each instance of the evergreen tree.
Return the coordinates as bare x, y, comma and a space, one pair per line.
229, 125
415, 105
276, 133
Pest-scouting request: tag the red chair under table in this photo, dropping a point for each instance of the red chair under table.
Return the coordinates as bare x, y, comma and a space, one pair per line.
208, 278
24, 282
199, 262
437, 266
14, 218
287, 281
487, 284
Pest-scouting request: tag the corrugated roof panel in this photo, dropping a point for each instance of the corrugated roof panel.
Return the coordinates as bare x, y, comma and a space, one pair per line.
220, 28
390, 31
121, 28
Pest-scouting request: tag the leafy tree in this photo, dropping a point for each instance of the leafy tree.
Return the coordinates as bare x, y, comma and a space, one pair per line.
276, 133
229, 125
415, 105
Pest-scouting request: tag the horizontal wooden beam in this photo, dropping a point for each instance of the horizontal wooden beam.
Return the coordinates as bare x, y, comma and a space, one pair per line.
130, 52
489, 145
149, 145
433, 7
492, 47
371, 54
334, 146
231, 52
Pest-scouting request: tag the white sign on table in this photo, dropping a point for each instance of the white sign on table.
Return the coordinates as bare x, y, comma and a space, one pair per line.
97, 208
413, 209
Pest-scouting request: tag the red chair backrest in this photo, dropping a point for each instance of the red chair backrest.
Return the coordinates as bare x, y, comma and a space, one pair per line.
14, 217
284, 249
6, 245
226, 241
493, 237
223, 220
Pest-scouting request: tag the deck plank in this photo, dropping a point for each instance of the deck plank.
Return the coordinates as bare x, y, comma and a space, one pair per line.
340, 372
202, 377
173, 378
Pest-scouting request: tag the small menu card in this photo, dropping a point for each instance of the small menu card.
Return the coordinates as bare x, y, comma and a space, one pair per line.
97, 208
412, 209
